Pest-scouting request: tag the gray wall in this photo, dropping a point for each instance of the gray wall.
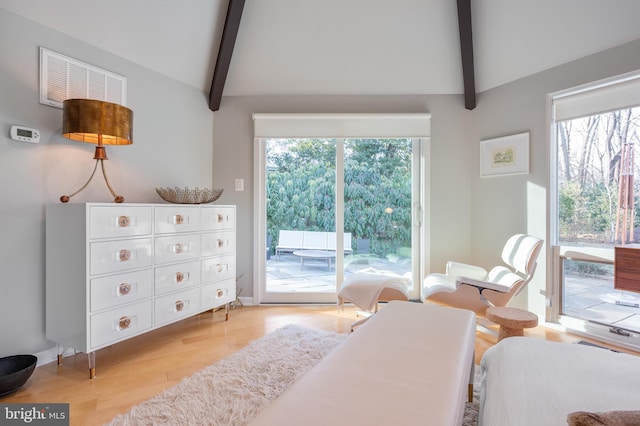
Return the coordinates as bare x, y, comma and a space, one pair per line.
471, 217
173, 129
451, 128
504, 205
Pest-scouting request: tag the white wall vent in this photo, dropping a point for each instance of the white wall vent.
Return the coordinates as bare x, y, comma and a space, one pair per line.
63, 78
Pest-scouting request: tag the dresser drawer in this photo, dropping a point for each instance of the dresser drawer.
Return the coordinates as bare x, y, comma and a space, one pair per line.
119, 221
115, 290
172, 307
216, 243
219, 268
218, 294
120, 323
178, 276
176, 218
177, 248
119, 255
218, 218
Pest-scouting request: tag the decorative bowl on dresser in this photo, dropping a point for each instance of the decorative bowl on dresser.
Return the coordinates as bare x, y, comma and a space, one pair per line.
116, 271
189, 196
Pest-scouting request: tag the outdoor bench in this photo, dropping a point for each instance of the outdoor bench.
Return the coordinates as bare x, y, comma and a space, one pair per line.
289, 241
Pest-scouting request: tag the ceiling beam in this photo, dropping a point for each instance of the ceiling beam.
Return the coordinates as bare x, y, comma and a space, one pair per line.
466, 49
227, 42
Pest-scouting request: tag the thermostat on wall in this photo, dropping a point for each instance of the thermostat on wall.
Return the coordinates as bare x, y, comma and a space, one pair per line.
25, 134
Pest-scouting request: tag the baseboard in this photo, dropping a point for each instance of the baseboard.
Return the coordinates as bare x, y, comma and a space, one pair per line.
51, 354
246, 301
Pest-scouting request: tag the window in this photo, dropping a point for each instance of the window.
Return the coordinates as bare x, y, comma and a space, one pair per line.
595, 141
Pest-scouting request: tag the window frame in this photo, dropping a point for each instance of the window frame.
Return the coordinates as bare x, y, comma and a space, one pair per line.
604, 94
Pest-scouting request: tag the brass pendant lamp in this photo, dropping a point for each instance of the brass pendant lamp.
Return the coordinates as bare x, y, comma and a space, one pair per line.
101, 123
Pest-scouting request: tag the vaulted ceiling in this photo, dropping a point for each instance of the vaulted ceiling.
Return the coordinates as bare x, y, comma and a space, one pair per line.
331, 47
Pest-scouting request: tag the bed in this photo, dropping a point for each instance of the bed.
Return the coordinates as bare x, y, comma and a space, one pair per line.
528, 381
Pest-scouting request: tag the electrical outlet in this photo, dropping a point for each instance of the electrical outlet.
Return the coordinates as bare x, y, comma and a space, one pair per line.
239, 184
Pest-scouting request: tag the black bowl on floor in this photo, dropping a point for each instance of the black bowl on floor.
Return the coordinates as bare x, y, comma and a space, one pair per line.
15, 370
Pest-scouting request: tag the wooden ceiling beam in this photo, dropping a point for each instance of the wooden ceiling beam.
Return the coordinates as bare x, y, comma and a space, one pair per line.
466, 49
227, 43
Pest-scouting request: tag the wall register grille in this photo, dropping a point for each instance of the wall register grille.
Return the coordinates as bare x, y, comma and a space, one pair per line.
63, 78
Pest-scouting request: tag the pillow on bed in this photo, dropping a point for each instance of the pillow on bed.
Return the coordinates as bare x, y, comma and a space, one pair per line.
609, 418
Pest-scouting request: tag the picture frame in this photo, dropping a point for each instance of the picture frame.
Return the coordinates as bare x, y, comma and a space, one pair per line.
504, 156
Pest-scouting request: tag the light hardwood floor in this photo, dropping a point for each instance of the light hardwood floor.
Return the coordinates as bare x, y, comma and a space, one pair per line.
132, 371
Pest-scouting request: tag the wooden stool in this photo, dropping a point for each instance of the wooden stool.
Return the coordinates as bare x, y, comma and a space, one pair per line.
512, 321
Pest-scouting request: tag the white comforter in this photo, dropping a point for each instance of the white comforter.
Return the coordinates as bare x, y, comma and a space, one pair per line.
529, 381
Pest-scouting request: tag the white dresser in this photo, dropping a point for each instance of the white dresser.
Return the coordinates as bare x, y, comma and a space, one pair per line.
114, 271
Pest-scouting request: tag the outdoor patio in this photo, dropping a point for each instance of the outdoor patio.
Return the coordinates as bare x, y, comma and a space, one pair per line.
582, 298
590, 299
285, 273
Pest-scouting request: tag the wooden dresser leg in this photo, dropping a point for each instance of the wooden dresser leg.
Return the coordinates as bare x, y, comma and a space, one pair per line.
92, 365
60, 350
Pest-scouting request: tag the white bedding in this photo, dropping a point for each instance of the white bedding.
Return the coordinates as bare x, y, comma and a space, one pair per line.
527, 381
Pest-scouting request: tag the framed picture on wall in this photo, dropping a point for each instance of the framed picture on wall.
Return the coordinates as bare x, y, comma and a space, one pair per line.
508, 155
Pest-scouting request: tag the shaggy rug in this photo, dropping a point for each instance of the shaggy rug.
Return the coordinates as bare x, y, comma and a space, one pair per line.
235, 389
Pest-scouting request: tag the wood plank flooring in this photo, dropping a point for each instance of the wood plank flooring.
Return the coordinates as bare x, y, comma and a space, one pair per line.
132, 371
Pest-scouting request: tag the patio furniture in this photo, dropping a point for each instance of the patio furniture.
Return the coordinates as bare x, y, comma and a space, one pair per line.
315, 254
290, 241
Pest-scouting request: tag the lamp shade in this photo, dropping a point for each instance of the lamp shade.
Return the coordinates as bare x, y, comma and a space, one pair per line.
98, 122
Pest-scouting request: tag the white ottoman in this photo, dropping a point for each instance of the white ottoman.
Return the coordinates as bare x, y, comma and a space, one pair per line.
410, 364
366, 289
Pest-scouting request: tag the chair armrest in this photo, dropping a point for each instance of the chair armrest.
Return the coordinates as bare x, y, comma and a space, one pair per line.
456, 269
482, 285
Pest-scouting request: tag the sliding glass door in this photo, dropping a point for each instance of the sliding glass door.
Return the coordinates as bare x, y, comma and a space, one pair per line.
333, 207
300, 214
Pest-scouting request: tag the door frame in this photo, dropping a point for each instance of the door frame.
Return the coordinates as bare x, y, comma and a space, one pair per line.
420, 226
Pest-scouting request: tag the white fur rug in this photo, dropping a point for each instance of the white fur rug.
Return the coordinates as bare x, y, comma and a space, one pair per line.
235, 389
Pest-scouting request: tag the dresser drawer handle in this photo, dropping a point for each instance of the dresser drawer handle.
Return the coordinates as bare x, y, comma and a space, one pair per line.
124, 221
124, 289
179, 277
222, 268
223, 243
220, 218
220, 293
124, 322
178, 219
179, 248
179, 305
124, 255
